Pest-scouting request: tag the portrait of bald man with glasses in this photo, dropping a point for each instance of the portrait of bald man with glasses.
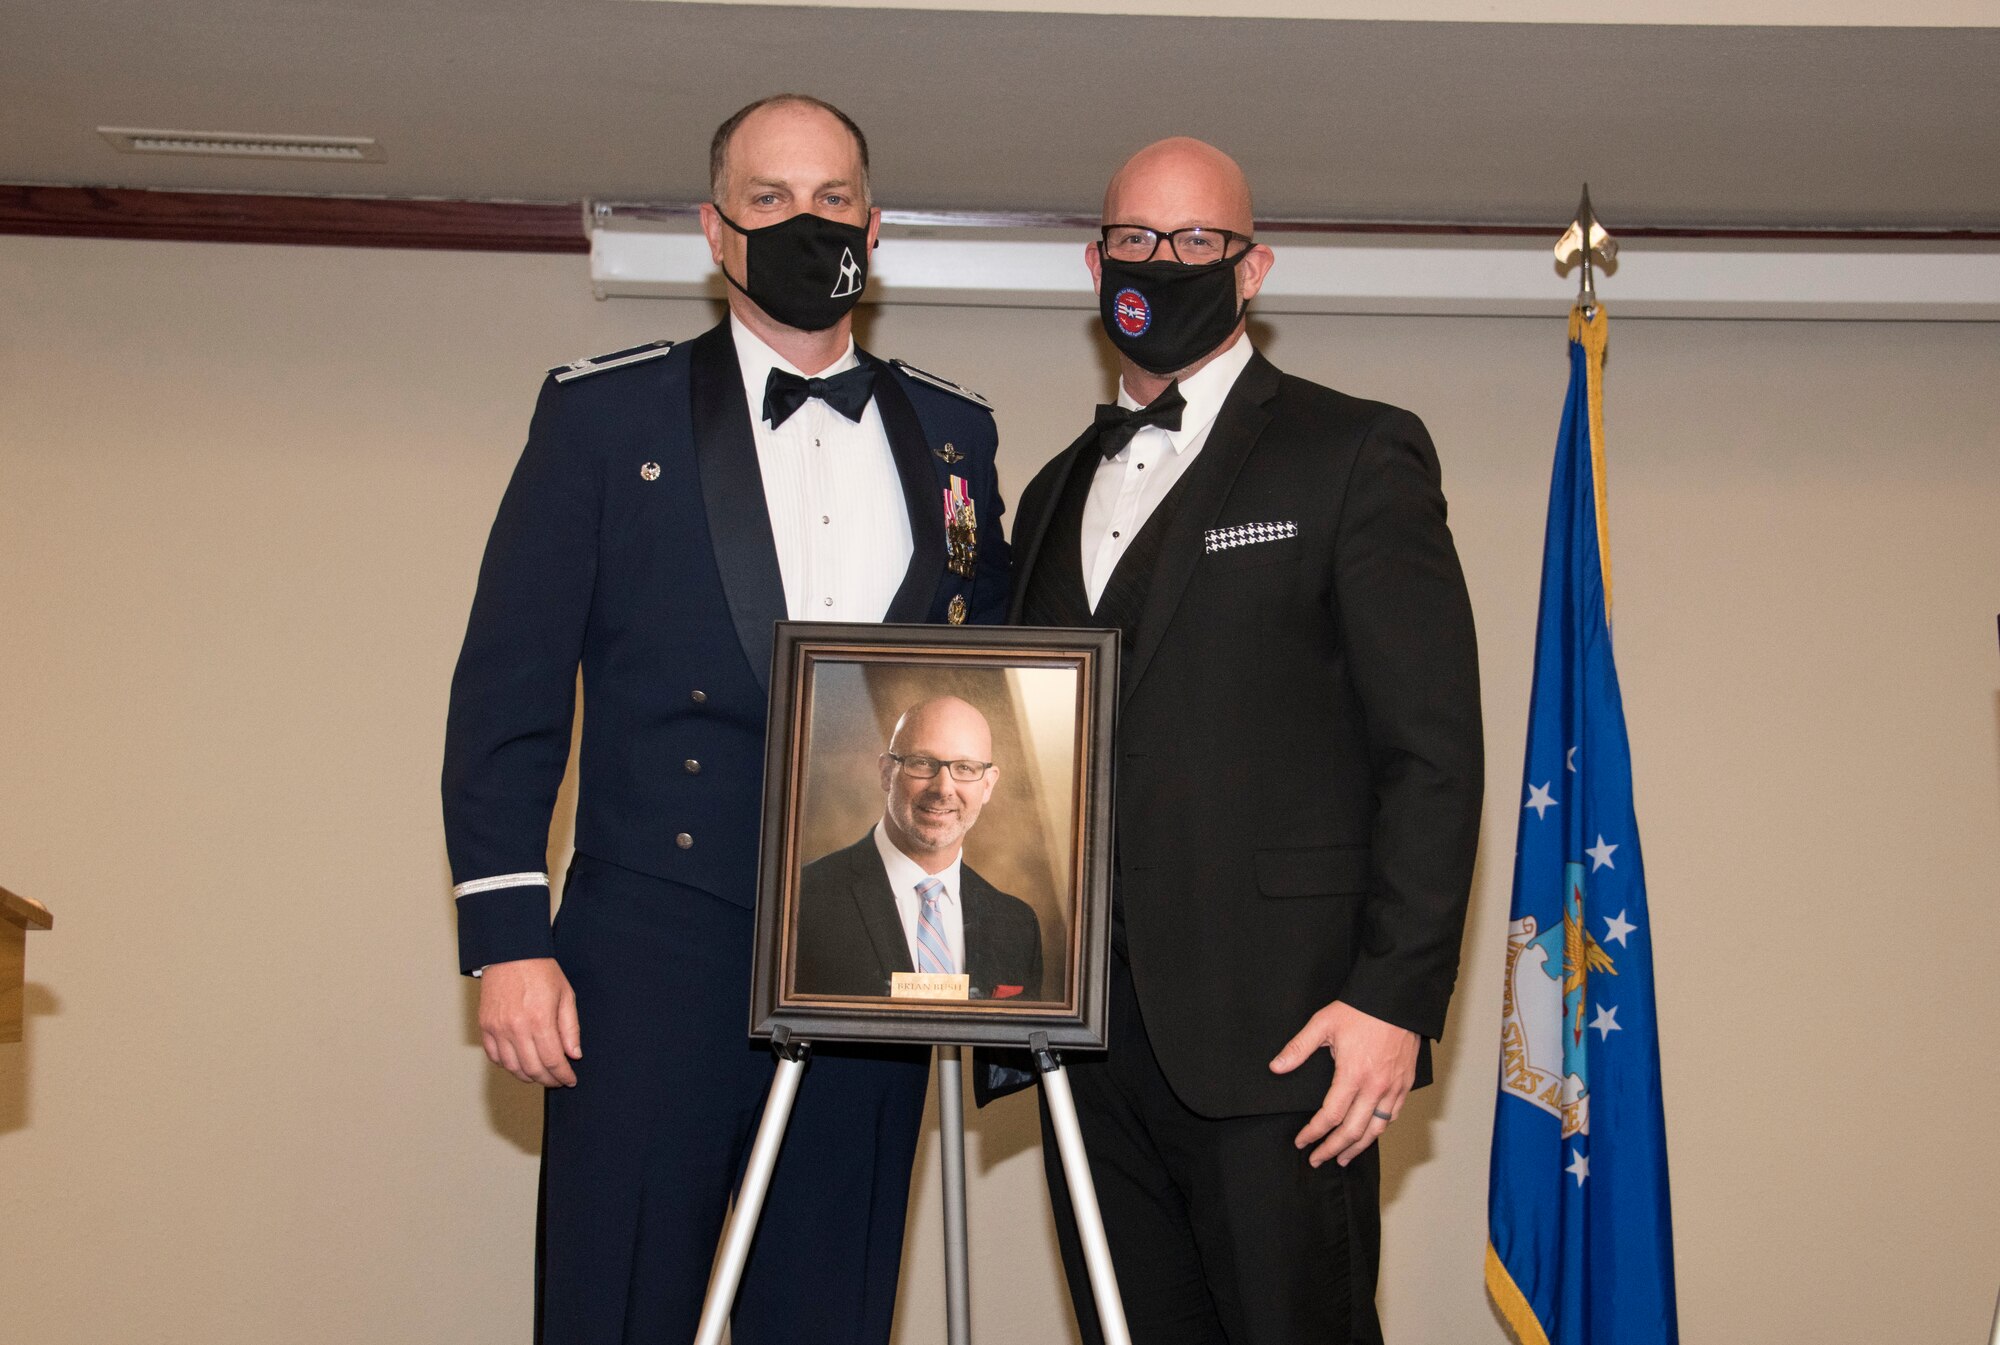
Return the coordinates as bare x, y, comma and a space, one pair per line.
902, 899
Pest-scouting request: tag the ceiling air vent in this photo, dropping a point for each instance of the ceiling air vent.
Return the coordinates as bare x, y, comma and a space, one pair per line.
319, 148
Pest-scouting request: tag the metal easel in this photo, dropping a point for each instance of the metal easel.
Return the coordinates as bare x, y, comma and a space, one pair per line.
742, 1225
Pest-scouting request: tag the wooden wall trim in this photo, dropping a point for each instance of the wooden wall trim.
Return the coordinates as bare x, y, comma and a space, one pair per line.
1426, 229
319, 221
557, 226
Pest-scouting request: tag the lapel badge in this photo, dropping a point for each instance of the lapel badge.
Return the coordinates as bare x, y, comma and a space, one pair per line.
961, 529
950, 455
650, 472
956, 612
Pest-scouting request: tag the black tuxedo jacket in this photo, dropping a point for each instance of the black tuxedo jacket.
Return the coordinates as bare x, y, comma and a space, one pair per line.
1299, 754
850, 939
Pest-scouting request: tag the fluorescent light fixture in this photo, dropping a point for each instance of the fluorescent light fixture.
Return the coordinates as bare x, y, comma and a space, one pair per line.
241, 145
659, 252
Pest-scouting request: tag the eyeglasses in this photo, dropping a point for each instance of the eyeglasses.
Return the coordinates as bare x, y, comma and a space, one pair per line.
1195, 246
964, 770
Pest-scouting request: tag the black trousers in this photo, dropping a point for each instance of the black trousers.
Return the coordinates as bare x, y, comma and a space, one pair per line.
1220, 1232
639, 1159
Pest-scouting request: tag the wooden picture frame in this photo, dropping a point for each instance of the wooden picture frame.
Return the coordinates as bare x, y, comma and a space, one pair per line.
841, 951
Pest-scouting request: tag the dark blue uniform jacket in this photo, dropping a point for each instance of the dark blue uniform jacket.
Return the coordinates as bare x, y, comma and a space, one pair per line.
633, 543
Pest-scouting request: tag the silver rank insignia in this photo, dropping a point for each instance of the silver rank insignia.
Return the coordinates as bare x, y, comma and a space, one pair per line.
650, 472
941, 384
961, 529
956, 612
617, 359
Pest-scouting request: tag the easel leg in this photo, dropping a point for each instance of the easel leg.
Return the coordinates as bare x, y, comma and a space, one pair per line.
951, 1155
742, 1226
1082, 1196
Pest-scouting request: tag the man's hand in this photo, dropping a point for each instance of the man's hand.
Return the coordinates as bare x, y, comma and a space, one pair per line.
527, 1018
1374, 1065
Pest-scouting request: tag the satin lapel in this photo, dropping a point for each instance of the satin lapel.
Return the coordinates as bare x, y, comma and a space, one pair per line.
1242, 418
732, 491
921, 493
1030, 533
877, 904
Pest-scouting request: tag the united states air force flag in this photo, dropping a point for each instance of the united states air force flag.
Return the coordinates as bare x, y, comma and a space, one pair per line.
1581, 1249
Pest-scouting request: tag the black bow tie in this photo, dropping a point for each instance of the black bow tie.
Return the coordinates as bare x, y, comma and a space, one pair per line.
1116, 425
846, 393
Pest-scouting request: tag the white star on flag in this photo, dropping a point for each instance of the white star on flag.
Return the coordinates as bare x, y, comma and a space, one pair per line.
1600, 854
1616, 927
1606, 1022
1579, 1165
1540, 799
1569, 761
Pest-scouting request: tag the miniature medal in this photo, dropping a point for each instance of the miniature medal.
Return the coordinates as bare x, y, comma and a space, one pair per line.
961, 529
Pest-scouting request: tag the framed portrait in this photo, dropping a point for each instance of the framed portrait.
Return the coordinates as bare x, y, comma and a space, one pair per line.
936, 856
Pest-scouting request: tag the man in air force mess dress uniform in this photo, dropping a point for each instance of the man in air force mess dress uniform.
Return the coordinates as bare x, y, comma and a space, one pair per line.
672, 503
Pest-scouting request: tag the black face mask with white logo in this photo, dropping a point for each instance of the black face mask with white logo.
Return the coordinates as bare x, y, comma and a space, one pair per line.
1166, 315
806, 271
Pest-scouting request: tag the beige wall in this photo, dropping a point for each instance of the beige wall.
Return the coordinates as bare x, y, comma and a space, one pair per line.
242, 496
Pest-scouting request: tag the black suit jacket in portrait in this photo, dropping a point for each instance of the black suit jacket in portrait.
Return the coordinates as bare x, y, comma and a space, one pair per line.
1299, 752
850, 939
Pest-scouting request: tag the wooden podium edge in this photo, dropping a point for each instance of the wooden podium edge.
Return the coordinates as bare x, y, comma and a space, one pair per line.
24, 911
18, 915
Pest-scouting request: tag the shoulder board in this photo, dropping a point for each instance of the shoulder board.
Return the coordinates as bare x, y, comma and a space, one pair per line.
597, 364
946, 384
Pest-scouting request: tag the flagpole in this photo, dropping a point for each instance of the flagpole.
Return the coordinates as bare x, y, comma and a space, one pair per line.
1579, 1214
1586, 241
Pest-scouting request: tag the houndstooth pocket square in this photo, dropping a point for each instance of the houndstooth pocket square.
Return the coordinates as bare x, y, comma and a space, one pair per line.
1247, 534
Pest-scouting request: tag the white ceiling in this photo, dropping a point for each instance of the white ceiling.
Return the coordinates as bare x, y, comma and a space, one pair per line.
1783, 13
1438, 121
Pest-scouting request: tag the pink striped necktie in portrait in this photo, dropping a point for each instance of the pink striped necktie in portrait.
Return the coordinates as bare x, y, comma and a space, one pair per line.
933, 953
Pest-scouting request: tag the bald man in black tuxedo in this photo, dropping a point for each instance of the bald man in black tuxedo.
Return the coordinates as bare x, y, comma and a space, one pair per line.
1298, 792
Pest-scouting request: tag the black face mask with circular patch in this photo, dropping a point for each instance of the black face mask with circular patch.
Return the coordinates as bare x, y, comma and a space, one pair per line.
1166, 315
806, 271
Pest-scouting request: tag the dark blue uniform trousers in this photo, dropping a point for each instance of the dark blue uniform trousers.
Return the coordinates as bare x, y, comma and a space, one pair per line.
639, 1160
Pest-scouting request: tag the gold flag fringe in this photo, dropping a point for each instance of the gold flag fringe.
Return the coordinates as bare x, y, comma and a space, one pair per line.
1594, 332
1510, 1302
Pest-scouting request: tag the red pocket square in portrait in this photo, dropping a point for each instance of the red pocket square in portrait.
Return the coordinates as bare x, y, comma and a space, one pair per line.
1006, 991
